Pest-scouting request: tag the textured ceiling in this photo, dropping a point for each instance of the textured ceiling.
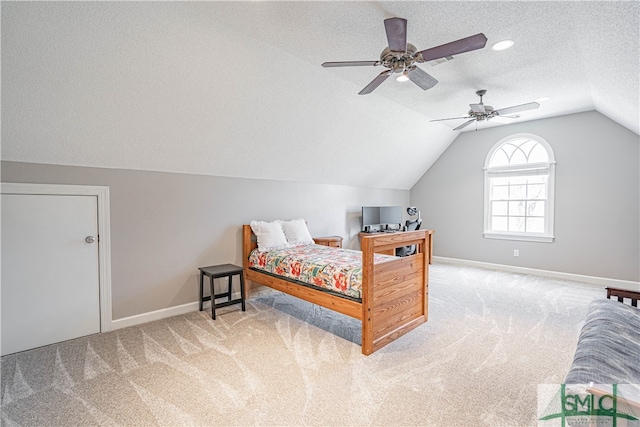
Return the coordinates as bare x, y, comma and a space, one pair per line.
236, 88
582, 55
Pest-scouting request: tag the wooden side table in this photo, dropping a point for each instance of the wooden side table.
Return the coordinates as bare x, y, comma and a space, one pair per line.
215, 272
333, 241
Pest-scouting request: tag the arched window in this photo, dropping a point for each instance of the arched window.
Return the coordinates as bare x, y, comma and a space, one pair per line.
519, 189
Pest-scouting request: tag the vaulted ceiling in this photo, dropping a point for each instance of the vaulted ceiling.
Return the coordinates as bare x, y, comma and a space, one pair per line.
236, 88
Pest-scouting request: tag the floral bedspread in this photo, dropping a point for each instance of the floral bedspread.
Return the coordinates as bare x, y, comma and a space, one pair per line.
338, 270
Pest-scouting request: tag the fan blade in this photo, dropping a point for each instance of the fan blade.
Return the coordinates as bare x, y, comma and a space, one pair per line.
501, 118
477, 108
517, 108
396, 34
422, 79
450, 118
375, 82
453, 48
351, 64
465, 124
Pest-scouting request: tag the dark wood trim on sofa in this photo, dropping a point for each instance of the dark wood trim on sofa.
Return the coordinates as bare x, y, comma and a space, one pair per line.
621, 294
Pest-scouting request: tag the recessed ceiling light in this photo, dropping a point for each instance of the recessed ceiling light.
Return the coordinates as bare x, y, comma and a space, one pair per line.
544, 98
402, 78
502, 45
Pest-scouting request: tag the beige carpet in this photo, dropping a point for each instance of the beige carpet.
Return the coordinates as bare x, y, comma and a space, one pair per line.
492, 337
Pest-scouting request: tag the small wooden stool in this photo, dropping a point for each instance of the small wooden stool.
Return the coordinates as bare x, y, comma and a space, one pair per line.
216, 272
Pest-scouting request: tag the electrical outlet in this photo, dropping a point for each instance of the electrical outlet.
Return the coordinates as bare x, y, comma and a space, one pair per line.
516, 252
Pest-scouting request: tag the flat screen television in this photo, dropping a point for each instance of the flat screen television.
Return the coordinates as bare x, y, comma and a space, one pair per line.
379, 217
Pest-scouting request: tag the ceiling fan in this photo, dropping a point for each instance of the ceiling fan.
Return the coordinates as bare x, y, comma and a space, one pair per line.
480, 112
402, 57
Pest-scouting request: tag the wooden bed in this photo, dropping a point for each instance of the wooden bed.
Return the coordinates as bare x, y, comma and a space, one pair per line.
394, 293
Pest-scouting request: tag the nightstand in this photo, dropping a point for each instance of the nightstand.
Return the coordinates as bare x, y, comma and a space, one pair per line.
333, 241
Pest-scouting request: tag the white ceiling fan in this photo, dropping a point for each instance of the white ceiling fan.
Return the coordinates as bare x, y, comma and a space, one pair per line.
480, 112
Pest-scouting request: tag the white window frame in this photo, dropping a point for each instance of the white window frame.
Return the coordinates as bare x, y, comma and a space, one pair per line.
524, 170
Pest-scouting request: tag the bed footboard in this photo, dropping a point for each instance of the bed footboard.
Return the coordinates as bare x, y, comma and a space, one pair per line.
395, 293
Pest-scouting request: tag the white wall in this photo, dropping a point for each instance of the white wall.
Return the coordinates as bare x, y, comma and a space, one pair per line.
108, 90
164, 86
166, 225
597, 222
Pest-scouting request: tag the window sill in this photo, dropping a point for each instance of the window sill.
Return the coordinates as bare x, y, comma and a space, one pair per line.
520, 237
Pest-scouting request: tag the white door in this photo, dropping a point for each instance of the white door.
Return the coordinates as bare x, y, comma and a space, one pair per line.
50, 278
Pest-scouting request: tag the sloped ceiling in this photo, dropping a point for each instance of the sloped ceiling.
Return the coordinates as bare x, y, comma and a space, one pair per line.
236, 88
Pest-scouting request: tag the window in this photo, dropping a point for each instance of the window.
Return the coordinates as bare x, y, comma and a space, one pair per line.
519, 183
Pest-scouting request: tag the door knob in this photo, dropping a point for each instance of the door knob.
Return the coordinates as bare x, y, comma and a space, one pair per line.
90, 239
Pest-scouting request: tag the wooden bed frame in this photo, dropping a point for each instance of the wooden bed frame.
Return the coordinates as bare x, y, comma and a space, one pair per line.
394, 293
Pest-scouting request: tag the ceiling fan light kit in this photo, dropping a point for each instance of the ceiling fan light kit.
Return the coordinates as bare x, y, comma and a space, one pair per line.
404, 77
402, 57
502, 45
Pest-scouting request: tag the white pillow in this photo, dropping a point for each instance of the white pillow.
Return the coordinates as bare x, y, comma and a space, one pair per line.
297, 232
269, 235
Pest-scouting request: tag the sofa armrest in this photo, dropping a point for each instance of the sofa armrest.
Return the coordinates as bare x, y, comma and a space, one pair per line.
608, 345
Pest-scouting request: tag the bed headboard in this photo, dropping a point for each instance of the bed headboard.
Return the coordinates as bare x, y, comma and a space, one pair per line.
249, 243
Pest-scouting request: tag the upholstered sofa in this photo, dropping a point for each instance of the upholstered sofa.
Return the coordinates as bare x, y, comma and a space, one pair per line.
608, 350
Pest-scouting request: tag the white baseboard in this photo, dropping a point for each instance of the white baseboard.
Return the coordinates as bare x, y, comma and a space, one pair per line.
139, 319
601, 281
163, 313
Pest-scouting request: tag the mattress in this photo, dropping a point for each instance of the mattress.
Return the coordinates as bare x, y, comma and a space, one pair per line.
331, 269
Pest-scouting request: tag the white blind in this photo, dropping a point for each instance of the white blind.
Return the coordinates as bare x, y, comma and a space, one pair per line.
525, 171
